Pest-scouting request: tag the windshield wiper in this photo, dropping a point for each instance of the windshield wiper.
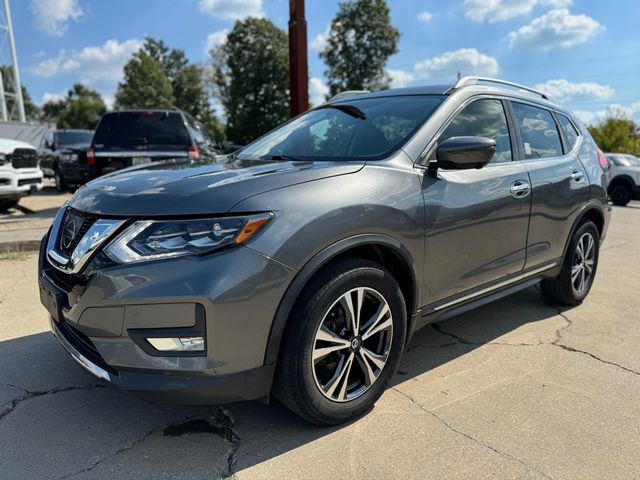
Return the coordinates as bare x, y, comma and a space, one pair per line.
288, 158
348, 109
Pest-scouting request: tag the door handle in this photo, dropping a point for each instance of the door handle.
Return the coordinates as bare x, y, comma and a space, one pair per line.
577, 176
520, 188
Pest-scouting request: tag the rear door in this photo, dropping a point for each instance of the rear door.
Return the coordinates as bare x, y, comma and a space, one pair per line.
476, 219
559, 183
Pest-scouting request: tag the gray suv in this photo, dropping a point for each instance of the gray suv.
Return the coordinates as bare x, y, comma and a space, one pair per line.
302, 264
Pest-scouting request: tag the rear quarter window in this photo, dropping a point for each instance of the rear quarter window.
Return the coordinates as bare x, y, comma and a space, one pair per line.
570, 132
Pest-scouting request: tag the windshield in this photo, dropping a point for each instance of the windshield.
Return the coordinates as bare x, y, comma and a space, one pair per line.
368, 128
142, 129
75, 137
624, 160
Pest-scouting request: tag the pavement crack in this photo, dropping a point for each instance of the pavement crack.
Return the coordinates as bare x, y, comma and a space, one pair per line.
459, 340
595, 357
469, 437
29, 394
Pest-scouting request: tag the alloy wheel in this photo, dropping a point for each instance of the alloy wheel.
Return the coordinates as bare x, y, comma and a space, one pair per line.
352, 344
583, 263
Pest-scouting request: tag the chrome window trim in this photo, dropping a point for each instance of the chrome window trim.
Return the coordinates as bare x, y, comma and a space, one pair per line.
496, 96
97, 235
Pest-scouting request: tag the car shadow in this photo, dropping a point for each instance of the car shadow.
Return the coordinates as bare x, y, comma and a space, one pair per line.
52, 404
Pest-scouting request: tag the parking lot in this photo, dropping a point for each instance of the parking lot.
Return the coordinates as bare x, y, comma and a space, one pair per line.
515, 389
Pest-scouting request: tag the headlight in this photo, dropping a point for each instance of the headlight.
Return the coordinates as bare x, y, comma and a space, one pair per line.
156, 239
69, 157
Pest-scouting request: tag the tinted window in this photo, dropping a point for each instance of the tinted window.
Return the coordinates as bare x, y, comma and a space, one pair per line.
361, 128
483, 118
539, 133
569, 130
76, 137
142, 128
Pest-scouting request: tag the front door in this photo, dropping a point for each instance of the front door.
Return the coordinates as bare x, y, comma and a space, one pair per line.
476, 220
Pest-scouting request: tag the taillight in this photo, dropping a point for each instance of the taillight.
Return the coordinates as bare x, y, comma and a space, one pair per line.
91, 156
602, 160
193, 152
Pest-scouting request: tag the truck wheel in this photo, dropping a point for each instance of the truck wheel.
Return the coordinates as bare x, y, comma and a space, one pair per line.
59, 179
7, 204
342, 344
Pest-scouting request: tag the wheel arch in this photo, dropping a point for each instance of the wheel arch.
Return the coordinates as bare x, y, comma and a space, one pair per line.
382, 249
592, 212
625, 180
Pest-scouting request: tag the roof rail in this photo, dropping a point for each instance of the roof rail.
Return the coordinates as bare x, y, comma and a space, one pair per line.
347, 94
466, 81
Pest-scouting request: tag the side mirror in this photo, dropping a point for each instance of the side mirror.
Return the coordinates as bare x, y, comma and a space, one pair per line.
461, 153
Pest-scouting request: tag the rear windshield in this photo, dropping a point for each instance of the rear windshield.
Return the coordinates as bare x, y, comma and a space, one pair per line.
75, 137
126, 129
366, 128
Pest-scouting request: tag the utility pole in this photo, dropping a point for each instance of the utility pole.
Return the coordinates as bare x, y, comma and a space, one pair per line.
298, 65
17, 86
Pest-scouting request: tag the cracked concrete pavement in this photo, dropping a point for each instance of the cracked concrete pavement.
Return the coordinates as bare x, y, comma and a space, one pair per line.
515, 389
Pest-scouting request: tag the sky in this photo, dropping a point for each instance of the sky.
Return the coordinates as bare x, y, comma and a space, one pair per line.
584, 53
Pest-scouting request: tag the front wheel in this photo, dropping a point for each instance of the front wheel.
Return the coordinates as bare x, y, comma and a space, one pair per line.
7, 204
342, 344
59, 179
579, 266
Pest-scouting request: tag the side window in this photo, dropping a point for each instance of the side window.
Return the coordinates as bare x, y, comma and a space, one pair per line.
569, 130
483, 118
539, 132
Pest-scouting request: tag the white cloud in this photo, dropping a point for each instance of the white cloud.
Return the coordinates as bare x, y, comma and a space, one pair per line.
53, 97
564, 90
215, 39
467, 61
318, 91
320, 40
500, 10
231, 9
592, 117
101, 65
425, 16
53, 16
400, 78
556, 28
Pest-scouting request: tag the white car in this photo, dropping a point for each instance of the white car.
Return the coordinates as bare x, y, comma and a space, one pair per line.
624, 178
20, 174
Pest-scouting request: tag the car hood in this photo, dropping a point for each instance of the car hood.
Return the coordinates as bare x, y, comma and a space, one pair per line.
8, 145
184, 188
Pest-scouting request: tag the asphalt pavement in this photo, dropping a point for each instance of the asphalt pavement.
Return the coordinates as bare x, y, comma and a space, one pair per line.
515, 389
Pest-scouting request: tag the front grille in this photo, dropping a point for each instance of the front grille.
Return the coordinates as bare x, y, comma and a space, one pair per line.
24, 158
82, 344
73, 228
28, 181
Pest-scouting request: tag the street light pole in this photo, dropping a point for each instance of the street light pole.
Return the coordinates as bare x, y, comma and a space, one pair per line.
298, 66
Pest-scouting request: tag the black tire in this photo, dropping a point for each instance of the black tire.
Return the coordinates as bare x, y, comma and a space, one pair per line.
562, 290
59, 179
296, 384
7, 204
620, 195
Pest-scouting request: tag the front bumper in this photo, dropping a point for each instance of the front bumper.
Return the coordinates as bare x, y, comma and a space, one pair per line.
237, 290
16, 183
75, 173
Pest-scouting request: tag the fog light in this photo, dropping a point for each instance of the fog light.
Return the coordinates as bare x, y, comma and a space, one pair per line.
186, 344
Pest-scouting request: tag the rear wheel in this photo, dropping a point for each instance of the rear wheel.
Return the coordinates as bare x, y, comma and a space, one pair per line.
578, 268
620, 195
342, 344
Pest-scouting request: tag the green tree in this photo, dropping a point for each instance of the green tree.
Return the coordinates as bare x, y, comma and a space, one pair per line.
361, 39
83, 108
145, 84
251, 78
31, 110
188, 83
617, 133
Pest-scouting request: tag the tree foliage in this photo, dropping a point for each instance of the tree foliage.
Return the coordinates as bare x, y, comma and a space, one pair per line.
145, 84
361, 39
82, 108
251, 78
617, 133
